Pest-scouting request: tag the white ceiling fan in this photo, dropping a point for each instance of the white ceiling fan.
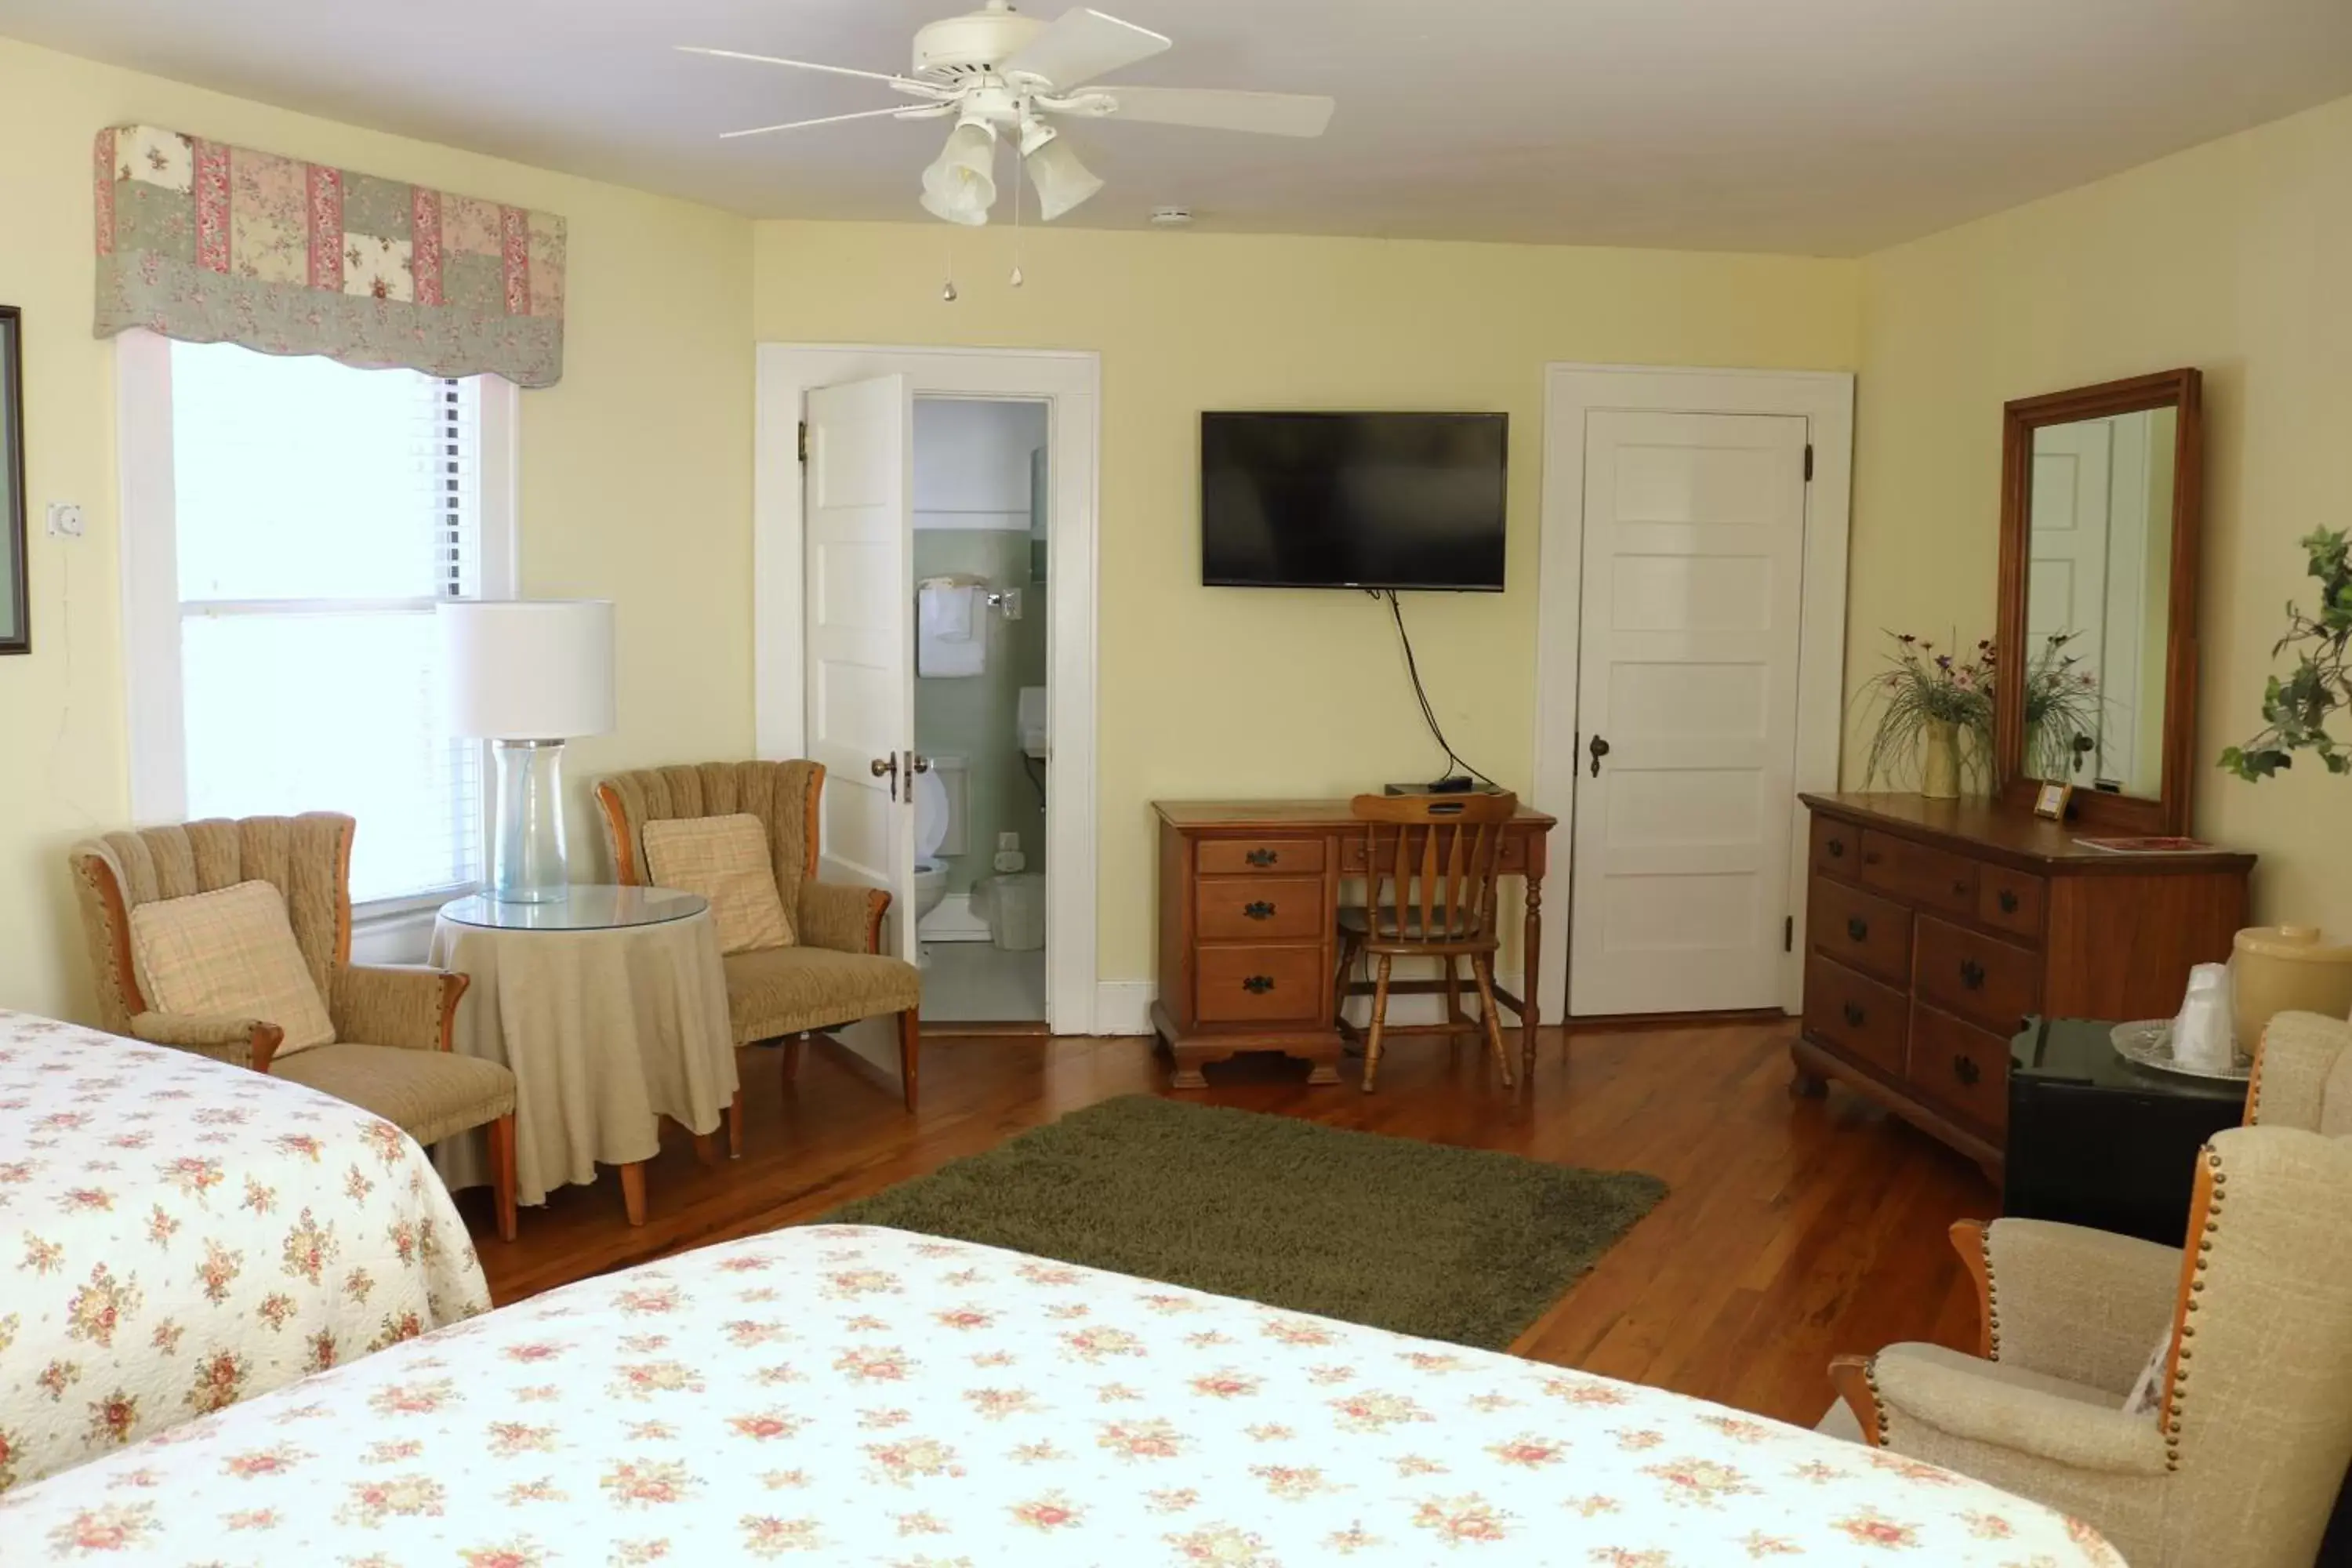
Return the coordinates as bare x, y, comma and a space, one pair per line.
997, 73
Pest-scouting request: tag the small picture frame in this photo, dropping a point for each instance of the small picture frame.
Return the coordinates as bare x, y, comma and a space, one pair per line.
2053, 799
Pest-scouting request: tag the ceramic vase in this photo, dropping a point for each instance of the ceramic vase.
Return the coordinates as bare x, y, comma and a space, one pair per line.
1939, 763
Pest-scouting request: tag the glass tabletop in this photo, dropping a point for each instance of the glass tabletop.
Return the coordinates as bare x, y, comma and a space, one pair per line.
588, 907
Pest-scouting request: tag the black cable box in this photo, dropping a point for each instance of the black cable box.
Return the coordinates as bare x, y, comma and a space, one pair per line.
1457, 784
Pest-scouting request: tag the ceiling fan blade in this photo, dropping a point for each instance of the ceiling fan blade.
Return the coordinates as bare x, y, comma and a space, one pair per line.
907, 112
903, 83
1082, 45
1214, 109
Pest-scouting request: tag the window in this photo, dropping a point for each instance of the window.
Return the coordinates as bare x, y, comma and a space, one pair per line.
289, 525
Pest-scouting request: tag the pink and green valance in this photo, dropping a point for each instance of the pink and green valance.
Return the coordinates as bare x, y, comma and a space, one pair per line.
209, 243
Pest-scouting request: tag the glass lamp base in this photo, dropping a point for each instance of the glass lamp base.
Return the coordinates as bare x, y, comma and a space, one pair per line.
528, 863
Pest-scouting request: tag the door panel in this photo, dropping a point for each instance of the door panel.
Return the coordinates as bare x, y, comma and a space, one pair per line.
860, 665
1692, 585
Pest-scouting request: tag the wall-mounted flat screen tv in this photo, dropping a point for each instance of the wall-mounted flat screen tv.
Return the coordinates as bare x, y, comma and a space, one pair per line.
1353, 500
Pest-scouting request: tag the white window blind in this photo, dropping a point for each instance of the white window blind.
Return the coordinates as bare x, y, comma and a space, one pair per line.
319, 513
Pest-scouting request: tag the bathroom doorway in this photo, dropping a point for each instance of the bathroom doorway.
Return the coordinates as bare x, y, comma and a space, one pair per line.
980, 569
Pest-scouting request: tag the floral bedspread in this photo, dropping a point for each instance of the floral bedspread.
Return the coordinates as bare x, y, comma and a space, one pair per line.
853, 1395
177, 1235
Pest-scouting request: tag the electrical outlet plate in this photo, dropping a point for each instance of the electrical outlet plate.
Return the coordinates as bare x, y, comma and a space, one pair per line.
64, 520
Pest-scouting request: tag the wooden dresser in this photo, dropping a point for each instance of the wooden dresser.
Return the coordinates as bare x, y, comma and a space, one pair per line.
1934, 928
1249, 907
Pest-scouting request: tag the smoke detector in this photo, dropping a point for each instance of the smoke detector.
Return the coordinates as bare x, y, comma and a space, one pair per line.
1171, 218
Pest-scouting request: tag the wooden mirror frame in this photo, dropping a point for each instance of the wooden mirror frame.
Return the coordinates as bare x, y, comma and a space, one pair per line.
2183, 391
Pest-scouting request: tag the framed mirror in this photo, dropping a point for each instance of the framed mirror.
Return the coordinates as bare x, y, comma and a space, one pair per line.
15, 635
2102, 508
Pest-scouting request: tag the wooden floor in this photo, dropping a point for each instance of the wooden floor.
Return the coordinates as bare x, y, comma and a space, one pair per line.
1795, 1229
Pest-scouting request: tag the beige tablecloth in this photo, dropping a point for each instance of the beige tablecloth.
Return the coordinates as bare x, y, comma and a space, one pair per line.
603, 1029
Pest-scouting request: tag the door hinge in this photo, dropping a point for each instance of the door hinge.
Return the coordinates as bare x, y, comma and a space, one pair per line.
1808, 454
1789, 933
1809, 458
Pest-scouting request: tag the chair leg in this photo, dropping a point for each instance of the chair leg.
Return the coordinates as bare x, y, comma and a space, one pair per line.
792, 1048
910, 1046
1482, 966
1380, 1024
632, 1192
502, 1172
1340, 975
1454, 1014
735, 1126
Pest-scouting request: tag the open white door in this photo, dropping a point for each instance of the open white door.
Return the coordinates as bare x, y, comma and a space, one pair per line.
860, 637
1693, 583
2067, 572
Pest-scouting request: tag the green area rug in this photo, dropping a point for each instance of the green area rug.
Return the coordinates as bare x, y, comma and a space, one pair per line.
1463, 1245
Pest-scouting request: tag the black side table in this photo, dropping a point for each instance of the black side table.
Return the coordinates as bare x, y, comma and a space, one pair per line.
2096, 1141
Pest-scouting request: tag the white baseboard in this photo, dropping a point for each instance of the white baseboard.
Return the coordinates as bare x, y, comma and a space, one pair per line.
953, 921
1123, 1006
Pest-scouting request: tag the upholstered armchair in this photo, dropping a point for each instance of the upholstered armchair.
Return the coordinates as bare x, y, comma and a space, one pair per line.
2302, 1075
2239, 1460
391, 1052
834, 972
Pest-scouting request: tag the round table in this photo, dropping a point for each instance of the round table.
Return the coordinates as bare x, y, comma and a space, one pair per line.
610, 1007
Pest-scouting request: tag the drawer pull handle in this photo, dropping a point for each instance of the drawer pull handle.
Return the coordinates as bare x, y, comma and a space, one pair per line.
2008, 902
1960, 887
1972, 975
1258, 985
1857, 927
1259, 911
1854, 1014
1967, 1071
1262, 857
1837, 848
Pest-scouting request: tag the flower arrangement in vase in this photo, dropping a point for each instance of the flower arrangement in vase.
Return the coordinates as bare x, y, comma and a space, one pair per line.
1935, 707
2062, 709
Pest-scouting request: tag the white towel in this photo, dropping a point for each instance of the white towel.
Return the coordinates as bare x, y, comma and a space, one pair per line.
951, 637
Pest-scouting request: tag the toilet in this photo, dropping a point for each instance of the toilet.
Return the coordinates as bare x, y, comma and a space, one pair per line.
939, 829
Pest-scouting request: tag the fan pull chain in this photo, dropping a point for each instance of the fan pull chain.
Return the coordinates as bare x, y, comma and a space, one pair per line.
1017, 167
947, 266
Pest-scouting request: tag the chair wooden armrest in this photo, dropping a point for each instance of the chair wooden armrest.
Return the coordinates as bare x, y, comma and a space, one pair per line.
2086, 1306
225, 1037
408, 1005
844, 919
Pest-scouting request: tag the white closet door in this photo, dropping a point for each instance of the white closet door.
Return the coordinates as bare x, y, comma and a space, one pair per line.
1692, 585
860, 637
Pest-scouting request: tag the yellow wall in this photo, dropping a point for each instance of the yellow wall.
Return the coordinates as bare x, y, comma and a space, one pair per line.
2235, 257
635, 470
1233, 692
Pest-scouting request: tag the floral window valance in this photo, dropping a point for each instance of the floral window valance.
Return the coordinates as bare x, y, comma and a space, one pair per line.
209, 243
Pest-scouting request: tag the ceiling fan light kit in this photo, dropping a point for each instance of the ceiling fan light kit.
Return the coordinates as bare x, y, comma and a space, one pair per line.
1000, 72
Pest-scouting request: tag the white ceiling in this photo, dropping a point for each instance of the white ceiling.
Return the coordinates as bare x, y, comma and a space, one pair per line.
1827, 127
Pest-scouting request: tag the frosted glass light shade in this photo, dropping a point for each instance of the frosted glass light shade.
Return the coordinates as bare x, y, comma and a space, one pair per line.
960, 184
1062, 181
528, 669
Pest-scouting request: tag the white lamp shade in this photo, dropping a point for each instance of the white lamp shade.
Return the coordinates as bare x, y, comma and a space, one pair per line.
1062, 181
528, 669
961, 186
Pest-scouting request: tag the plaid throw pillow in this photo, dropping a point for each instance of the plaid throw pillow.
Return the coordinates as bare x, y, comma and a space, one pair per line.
230, 952
725, 859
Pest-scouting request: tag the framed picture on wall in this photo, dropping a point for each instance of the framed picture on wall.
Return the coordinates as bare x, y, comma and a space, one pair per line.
15, 635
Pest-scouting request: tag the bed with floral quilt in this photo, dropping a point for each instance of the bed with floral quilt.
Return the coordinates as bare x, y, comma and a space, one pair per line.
847, 1395
177, 1235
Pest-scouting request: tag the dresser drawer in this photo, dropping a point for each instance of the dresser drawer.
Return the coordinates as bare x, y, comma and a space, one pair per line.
1960, 1067
1260, 985
1859, 929
1930, 878
1980, 978
1855, 1013
1254, 857
2011, 901
1258, 909
1837, 848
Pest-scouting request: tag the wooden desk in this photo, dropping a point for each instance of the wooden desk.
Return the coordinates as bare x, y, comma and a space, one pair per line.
1249, 906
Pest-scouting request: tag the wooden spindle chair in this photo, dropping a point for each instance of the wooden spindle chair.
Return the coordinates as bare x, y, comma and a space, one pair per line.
1429, 893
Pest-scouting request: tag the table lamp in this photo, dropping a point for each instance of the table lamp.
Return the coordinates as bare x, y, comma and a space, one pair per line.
527, 675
